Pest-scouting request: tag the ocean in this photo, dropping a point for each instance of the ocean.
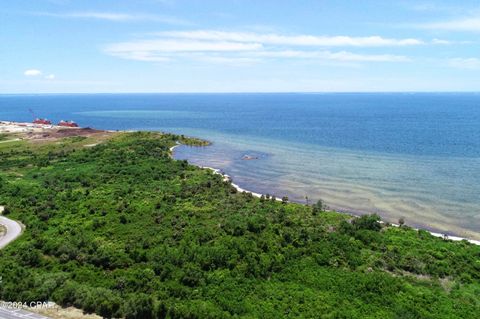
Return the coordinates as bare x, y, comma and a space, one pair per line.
410, 155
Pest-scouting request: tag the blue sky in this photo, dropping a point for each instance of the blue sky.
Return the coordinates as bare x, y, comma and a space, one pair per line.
67, 46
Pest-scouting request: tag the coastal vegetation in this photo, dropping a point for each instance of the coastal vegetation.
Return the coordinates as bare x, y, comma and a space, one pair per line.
121, 229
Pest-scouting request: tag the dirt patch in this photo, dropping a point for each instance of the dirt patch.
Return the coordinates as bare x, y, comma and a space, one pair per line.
54, 134
57, 312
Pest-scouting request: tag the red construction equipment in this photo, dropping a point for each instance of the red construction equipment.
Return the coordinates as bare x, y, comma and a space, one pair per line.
67, 123
42, 121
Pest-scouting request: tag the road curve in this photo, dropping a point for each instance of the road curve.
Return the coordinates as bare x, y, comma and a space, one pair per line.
14, 229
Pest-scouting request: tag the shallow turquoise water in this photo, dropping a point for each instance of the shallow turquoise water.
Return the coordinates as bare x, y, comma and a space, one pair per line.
402, 155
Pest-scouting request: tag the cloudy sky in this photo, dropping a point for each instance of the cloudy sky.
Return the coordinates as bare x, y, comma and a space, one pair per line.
69, 46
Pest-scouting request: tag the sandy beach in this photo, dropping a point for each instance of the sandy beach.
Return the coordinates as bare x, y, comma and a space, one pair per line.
226, 177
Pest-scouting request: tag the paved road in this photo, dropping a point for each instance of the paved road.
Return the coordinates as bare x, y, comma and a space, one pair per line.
13, 230
19, 313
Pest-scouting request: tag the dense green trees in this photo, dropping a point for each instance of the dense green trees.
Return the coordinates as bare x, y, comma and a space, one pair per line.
121, 229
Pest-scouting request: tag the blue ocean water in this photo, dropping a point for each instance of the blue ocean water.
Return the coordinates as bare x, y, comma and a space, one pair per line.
401, 155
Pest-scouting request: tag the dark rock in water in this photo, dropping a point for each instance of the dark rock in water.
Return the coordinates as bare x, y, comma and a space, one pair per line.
249, 157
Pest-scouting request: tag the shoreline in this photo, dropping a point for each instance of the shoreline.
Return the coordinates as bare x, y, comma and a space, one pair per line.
18, 127
240, 189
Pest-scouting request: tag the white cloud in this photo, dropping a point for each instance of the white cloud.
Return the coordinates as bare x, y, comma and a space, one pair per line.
117, 17
423, 7
32, 72
465, 63
435, 7
104, 16
247, 48
470, 24
336, 56
173, 45
440, 41
295, 40
353, 57
163, 50
37, 73
146, 56
235, 61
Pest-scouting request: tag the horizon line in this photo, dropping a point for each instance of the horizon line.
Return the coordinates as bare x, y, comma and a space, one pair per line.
245, 92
